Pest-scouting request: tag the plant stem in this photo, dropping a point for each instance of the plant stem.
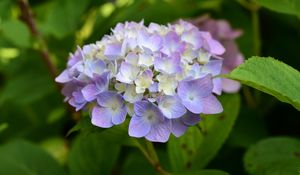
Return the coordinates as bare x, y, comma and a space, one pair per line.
149, 152
256, 32
27, 17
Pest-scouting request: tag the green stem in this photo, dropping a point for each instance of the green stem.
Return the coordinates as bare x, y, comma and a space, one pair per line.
150, 154
256, 31
151, 151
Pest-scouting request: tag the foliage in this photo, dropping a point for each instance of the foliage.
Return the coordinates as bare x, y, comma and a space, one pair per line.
268, 75
256, 134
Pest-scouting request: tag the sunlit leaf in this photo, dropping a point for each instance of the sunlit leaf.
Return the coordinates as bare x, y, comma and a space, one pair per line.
16, 32
291, 7
272, 77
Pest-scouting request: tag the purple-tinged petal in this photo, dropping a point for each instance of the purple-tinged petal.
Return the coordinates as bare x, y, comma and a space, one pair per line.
177, 127
197, 88
190, 119
171, 107
140, 107
110, 99
77, 100
168, 65
230, 86
144, 81
193, 37
132, 58
102, 81
159, 133
90, 92
78, 96
75, 104
146, 60
191, 92
217, 82
153, 87
172, 44
71, 87
138, 127
212, 45
213, 67
193, 104
151, 42
63, 77
73, 59
119, 115
127, 73
130, 94
101, 117
113, 51
211, 105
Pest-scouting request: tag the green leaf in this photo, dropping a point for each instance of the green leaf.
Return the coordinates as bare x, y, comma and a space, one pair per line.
27, 88
272, 156
20, 157
57, 148
291, 7
5, 8
136, 163
203, 172
16, 32
196, 148
63, 17
91, 154
270, 76
117, 134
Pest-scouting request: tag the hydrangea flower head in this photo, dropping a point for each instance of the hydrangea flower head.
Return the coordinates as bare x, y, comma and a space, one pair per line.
222, 31
165, 73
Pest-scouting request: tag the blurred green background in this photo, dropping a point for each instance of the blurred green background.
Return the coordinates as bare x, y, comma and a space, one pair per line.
32, 107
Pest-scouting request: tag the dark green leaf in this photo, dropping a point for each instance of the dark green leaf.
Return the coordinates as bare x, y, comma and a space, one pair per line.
117, 134
291, 7
273, 156
196, 148
20, 157
91, 154
135, 163
27, 88
270, 76
203, 172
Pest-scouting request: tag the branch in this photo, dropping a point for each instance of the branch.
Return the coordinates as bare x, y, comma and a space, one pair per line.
28, 19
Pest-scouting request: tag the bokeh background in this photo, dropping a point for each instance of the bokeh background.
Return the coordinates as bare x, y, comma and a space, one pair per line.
32, 107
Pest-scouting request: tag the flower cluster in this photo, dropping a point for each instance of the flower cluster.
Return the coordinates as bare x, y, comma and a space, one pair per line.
222, 31
161, 76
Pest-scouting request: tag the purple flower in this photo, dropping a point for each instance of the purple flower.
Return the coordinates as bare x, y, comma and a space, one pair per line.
171, 106
99, 85
77, 100
163, 76
179, 126
168, 65
111, 110
222, 31
148, 122
196, 94
172, 44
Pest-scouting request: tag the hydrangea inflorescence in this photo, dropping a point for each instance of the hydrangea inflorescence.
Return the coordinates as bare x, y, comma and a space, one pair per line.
223, 32
162, 76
